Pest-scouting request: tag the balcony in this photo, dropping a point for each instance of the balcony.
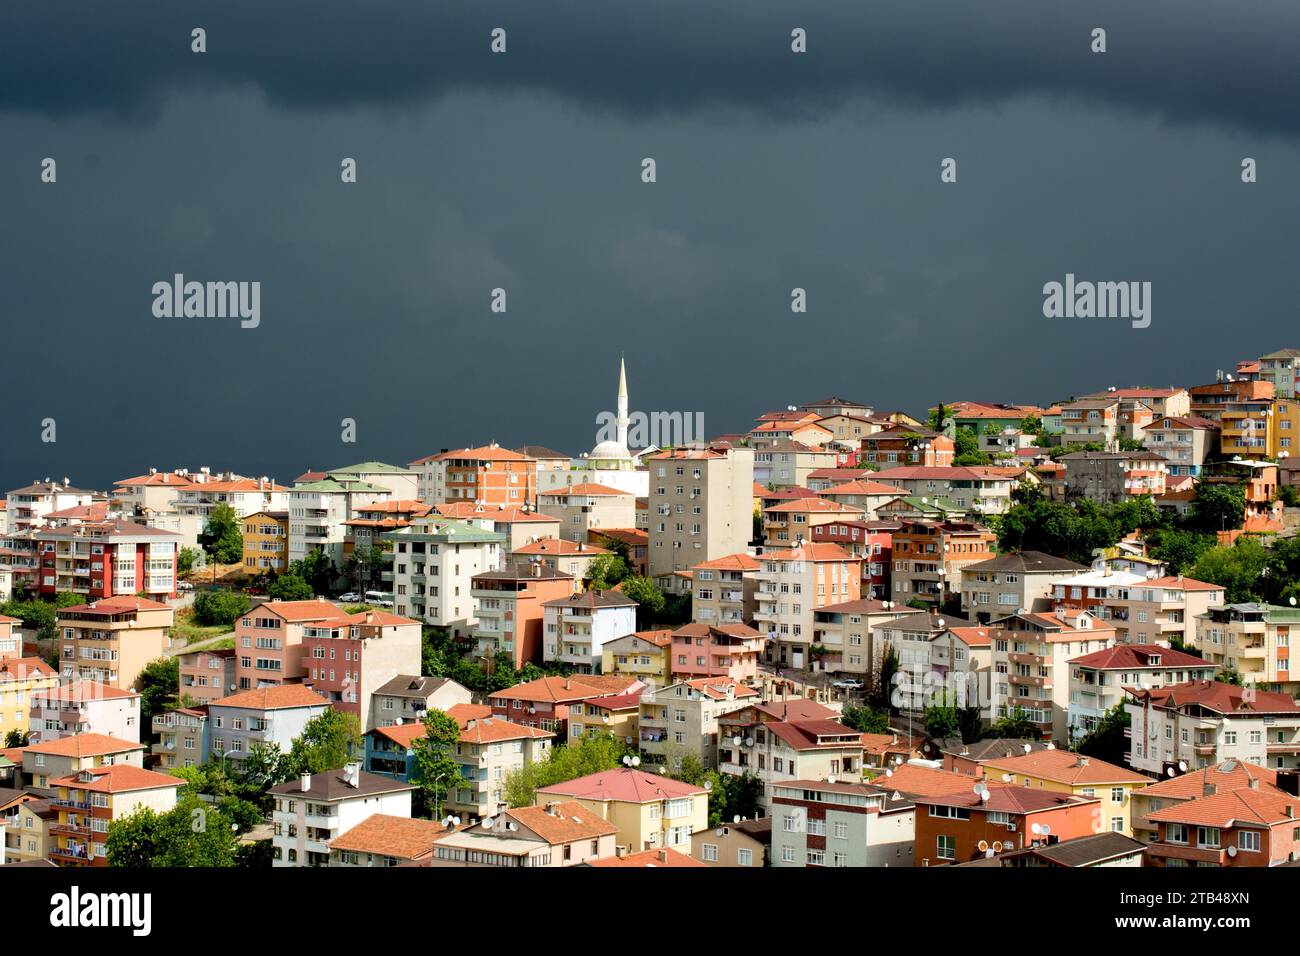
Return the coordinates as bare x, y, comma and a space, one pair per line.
1193, 854
1027, 681
1032, 660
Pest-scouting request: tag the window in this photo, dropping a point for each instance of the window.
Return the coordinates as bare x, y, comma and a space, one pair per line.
709, 853
744, 857
1248, 840
946, 848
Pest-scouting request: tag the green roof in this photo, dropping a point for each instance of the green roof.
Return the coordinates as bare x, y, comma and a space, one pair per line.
454, 530
325, 484
371, 468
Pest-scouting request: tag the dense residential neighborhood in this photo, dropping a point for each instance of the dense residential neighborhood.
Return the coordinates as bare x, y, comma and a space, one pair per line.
1052, 634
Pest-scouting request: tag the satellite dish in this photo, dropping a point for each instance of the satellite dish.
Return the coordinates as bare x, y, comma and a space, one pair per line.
708, 784
997, 846
1036, 829
1051, 745
736, 741
889, 773
487, 823
1028, 748
636, 761
1170, 771
1047, 828
988, 854
749, 741
984, 796
736, 818
719, 831
1182, 766
983, 845
1006, 778
1232, 851
898, 760
941, 623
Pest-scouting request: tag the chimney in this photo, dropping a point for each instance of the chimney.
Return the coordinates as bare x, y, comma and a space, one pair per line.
352, 774
663, 854
553, 808
620, 851
471, 724
1209, 790
1083, 762
304, 782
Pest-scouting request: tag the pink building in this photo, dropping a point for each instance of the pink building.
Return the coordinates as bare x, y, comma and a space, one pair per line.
716, 650
206, 676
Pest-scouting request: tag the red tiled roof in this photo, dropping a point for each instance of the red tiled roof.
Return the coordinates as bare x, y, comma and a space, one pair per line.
1219, 697
1066, 767
810, 551
731, 562
562, 821
660, 857
1223, 776
1232, 808
117, 778
85, 745
273, 698
560, 546
406, 838
626, 785
590, 488
1134, 656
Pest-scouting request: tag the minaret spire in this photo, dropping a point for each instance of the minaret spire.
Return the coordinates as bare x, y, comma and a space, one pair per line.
622, 402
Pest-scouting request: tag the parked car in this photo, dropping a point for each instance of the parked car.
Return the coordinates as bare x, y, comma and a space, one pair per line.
184, 586
352, 597
848, 684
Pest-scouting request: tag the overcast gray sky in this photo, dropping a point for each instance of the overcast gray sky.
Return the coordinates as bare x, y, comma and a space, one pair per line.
522, 170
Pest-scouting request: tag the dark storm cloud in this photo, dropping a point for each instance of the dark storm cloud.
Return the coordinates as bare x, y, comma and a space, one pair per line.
1179, 60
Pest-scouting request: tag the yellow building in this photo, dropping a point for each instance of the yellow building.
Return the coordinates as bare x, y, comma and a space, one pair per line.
1285, 433
18, 678
88, 801
111, 640
645, 655
26, 820
650, 811
1062, 771
266, 542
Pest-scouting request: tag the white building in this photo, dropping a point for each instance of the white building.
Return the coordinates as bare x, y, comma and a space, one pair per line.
1097, 680
434, 563
578, 627
316, 808
83, 707
850, 824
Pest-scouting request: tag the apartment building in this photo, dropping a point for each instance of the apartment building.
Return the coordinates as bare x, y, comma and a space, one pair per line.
45, 763
366, 529
743, 843
1241, 407
872, 541
701, 506
995, 818
245, 496
319, 511
1282, 369
22, 681
1090, 420
902, 446
509, 606
912, 637
91, 799
1161, 401
1184, 442
790, 521
1245, 827
269, 640
578, 626
1110, 477
1194, 725
101, 559
1060, 771
849, 631
723, 589
681, 719
632, 542
556, 833
1031, 669
791, 586
1098, 680
1252, 639
716, 650
266, 542
588, 507
1090, 590
1159, 610
265, 716
786, 463
406, 697
25, 820
112, 639
489, 475
571, 557
434, 565
317, 808
800, 430
521, 525
864, 494
155, 491
545, 702
978, 416
183, 738
1019, 580
11, 638
929, 556
207, 675
1223, 777
643, 655
778, 751
348, 659
821, 823
80, 707
488, 751
823, 479
648, 811
28, 507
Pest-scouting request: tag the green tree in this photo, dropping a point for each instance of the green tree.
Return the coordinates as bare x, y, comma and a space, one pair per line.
967, 451
867, 719
364, 566
1179, 549
220, 608
1107, 740
158, 685
263, 767
1238, 568
647, 594
37, 615
1289, 495
880, 694
221, 538
1217, 507
290, 587
941, 719
327, 743
606, 570
436, 771
578, 759
1015, 726
1230, 675
185, 561
317, 569
191, 834
734, 795
16, 738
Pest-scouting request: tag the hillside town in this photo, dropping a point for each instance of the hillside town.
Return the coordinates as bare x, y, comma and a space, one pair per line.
978, 634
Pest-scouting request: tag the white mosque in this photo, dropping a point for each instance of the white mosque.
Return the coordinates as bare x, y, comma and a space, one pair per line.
611, 463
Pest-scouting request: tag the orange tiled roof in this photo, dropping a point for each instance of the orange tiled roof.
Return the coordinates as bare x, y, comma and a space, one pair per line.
1228, 809
273, 698
625, 785
660, 857
564, 822
85, 745
117, 778
1063, 766
406, 838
